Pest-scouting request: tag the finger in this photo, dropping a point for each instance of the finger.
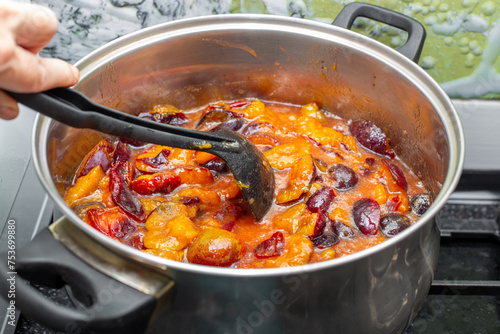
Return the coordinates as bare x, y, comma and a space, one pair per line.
25, 72
32, 25
8, 107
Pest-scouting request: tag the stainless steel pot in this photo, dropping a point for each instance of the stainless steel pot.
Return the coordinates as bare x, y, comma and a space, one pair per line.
188, 63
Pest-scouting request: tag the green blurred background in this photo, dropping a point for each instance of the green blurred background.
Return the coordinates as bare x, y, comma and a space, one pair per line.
463, 36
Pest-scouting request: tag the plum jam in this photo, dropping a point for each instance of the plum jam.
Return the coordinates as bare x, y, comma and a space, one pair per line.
340, 188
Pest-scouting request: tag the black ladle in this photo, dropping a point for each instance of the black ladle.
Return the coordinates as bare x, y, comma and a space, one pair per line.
250, 169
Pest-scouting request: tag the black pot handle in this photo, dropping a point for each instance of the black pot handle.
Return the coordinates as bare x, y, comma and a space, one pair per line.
416, 32
111, 306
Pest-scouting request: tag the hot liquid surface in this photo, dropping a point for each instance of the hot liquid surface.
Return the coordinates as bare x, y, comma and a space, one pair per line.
333, 196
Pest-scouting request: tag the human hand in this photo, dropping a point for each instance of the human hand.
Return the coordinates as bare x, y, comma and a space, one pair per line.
24, 30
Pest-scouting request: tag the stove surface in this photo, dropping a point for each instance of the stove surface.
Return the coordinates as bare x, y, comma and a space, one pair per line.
464, 297
465, 294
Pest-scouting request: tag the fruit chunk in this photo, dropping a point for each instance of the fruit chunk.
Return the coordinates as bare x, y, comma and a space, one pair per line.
421, 203
214, 117
265, 140
326, 240
156, 161
217, 165
163, 183
366, 215
312, 128
132, 142
397, 198
203, 157
99, 155
344, 176
270, 247
210, 161
231, 125
297, 251
164, 213
312, 110
194, 175
122, 153
349, 143
342, 230
290, 219
286, 155
258, 128
166, 115
150, 203
227, 189
177, 119
85, 185
319, 226
164, 109
393, 224
371, 137
228, 216
152, 159
320, 201
112, 222
122, 195
176, 235
239, 104
397, 174
205, 196
256, 108
300, 177
215, 247
380, 193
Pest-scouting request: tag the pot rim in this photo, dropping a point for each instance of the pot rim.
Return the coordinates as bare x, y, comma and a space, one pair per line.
398, 62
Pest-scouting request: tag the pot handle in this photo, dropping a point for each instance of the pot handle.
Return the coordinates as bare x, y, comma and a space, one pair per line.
416, 32
111, 306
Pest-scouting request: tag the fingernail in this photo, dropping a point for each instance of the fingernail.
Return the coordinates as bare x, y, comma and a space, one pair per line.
8, 113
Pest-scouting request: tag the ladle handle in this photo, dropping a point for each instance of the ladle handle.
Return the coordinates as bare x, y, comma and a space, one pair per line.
416, 32
74, 109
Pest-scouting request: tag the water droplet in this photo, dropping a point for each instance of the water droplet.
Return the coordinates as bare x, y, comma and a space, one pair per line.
478, 51
469, 62
488, 8
475, 23
476, 48
442, 17
464, 41
428, 62
416, 7
396, 41
468, 3
443, 7
473, 44
448, 41
464, 50
430, 20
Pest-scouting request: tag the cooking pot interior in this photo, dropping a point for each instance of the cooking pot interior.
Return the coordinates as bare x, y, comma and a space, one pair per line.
346, 75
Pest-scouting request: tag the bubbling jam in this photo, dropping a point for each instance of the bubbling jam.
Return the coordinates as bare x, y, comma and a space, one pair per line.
340, 188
